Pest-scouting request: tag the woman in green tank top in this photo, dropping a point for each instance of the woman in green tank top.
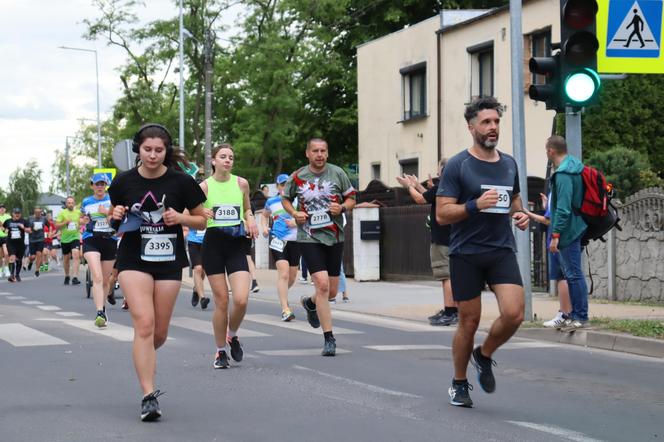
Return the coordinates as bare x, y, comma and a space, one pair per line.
230, 222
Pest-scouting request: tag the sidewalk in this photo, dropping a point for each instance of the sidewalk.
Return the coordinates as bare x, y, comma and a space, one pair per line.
416, 300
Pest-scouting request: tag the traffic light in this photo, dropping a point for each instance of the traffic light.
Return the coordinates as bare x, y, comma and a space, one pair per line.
550, 91
579, 80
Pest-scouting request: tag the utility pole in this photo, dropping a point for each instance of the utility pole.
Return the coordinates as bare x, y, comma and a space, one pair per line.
181, 41
209, 63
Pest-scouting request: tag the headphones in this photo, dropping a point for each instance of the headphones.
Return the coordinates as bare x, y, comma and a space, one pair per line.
135, 145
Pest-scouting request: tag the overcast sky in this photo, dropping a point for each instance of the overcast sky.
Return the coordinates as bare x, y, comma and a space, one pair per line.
45, 91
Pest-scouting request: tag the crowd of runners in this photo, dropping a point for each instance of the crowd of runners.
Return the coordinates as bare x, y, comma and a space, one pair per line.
133, 230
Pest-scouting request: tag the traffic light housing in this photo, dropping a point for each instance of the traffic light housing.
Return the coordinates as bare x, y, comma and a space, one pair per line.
579, 80
549, 92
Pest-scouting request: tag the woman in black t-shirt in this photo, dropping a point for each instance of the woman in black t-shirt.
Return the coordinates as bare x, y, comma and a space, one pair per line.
148, 202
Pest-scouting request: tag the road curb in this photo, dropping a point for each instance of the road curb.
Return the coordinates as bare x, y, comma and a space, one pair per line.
598, 339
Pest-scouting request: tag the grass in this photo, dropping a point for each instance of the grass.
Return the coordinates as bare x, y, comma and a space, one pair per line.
637, 327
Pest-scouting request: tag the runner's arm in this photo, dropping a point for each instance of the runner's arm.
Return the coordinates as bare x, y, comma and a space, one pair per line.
194, 218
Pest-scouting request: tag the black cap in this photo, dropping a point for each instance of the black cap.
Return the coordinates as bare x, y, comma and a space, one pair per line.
2, 204
16, 210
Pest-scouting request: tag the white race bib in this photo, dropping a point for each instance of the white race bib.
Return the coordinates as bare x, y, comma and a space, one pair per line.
15, 234
38, 225
320, 219
226, 213
158, 247
277, 244
101, 225
504, 200
56, 242
72, 225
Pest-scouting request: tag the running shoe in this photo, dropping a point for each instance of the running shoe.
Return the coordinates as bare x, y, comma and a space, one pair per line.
459, 395
254, 286
18, 278
329, 348
556, 321
125, 306
66, 280
437, 315
562, 325
194, 298
150, 410
302, 280
236, 349
574, 325
111, 297
30, 266
445, 320
345, 299
221, 360
117, 285
204, 302
484, 365
45, 268
333, 300
75, 281
101, 319
287, 315
11, 278
312, 315
37, 274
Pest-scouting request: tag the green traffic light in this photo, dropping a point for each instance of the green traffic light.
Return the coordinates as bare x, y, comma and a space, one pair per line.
581, 86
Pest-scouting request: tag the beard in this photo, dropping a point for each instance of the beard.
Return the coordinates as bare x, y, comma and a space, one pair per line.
486, 144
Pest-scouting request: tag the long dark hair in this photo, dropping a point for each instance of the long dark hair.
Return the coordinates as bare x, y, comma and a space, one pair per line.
156, 131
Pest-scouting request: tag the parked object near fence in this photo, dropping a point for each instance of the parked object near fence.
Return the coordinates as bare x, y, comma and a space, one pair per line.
366, 253
636, 253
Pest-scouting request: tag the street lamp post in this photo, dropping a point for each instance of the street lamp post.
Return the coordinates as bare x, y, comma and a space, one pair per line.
181, 38
67, 163
94, 51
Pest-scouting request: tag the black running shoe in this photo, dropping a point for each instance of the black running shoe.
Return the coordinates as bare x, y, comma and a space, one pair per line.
204, 302
459, 395
11, 278
329, 348
66, 280
484, 370
30, 266
125, 306
312, 315
236, 349
254, 286
18, 278
221, 360
194, 298
150, 410
446, 320
437, 315
111, 297
37, 274
75, 281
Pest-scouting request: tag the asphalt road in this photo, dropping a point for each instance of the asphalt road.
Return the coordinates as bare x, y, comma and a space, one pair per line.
64, 380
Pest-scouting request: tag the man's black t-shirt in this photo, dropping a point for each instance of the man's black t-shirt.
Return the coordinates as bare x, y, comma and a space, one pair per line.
14, 232
439, 234
37, 226
155, 247
465, 178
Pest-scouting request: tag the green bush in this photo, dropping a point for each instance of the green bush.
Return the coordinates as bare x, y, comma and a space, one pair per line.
623, 167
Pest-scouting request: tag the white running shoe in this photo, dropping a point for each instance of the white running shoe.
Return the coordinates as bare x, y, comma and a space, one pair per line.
557, 321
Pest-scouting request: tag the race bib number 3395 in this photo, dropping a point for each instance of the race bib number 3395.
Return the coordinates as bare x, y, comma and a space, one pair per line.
158, 247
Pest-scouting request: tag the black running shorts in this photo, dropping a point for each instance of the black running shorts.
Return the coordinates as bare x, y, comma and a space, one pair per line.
470, 273
106, 247
67, 247
16, 248
291, 253
222, 253
195, 256
320, 257
3, 241
36, 247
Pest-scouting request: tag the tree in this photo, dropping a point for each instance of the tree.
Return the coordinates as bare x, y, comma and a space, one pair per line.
24, 187
622, 167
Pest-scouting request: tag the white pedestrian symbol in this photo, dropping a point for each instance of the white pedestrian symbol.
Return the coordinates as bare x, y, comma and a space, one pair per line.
634, 34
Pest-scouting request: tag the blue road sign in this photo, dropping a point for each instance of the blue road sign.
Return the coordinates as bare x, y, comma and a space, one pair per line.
634, 28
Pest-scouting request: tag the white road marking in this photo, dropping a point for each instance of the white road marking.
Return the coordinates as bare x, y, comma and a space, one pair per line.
32, 302
20, 335
205, 326
48, 308
393, 323
528, 344
302, 326
370, 387
298, 352
68, 314
556, 431
16, 298
407, 347
4, 293
112, 330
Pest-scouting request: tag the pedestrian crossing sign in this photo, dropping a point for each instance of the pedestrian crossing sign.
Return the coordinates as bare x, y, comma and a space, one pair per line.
630, 36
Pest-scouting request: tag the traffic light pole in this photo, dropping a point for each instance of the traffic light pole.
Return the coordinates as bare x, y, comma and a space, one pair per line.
573, 132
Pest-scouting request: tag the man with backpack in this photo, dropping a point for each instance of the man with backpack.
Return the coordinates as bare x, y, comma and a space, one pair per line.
568, 227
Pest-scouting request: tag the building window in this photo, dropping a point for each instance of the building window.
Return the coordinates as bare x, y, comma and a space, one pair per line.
540, 47
375, 171
413, 80
409, 166
481, 70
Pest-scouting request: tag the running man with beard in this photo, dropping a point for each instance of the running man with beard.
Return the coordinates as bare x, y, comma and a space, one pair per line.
479, 195
16, 228
68, 221
323, 192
